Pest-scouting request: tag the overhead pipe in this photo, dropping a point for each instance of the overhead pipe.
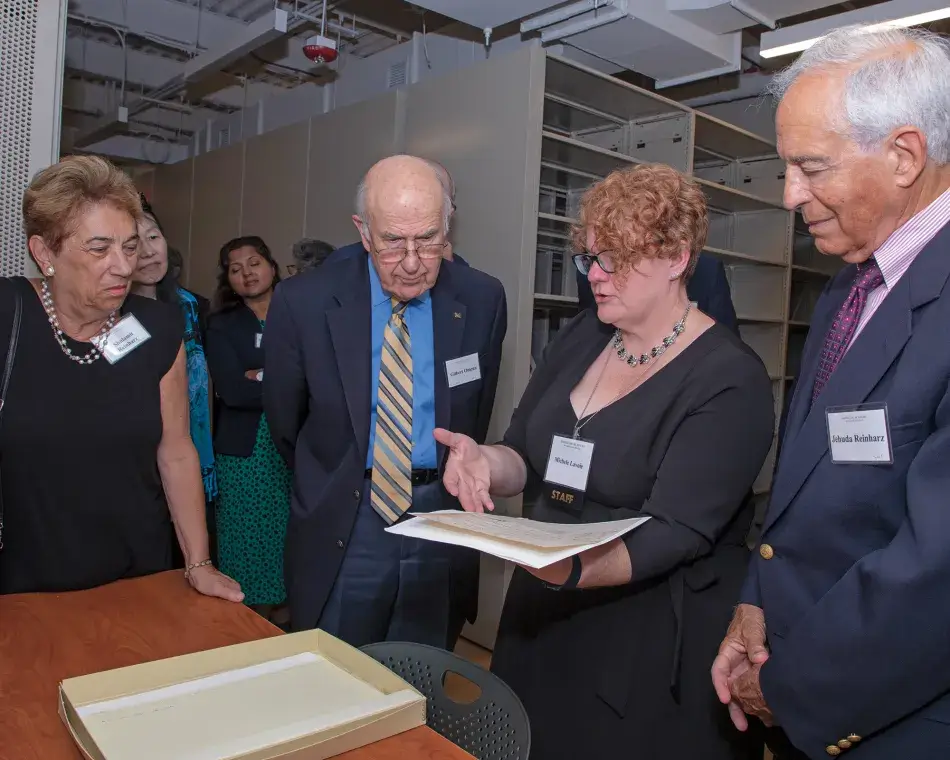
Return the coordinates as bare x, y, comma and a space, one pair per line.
561, 14
172, 87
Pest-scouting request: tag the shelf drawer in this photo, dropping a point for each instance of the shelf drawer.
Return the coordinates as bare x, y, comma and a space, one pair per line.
758, 292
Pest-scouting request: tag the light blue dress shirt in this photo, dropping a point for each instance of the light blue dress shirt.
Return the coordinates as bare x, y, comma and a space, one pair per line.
418, 316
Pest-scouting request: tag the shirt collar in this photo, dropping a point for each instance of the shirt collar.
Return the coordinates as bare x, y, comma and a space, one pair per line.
379, 296
901, 248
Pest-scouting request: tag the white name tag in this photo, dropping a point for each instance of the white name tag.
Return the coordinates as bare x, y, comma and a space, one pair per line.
465, 369
569, 462
257, 340
859, 434
127, 335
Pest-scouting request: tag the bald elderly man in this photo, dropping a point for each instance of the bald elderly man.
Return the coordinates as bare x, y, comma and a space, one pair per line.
356, 249
364, 357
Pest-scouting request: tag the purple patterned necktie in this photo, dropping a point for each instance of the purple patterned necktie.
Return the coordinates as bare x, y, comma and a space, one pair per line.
846, 322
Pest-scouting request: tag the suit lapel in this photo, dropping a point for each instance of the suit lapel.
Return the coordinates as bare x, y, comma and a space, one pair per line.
805, 382
351, 334
448, 327
874, 351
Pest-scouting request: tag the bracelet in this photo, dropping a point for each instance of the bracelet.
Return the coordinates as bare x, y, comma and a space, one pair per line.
573, 579
195, 566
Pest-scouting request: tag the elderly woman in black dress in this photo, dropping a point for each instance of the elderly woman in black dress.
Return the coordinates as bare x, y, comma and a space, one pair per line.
610, 651
99, 470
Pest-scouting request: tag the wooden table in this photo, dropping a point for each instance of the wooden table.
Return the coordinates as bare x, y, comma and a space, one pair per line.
45, 638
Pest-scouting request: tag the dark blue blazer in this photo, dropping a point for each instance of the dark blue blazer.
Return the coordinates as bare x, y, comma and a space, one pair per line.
354, 249
856, 591
231, 351
708, 287
317, 394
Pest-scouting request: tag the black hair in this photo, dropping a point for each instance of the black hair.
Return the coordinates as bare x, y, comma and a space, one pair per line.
166, 289
224, 297
309, 253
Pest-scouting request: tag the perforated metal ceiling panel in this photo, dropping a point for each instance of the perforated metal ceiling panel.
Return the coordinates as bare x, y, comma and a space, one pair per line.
17, 50
31, 70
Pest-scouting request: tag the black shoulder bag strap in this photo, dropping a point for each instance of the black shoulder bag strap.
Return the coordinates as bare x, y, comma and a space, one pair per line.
7, 371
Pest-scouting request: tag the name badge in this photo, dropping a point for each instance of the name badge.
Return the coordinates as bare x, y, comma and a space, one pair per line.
257, 340
567, 472
859, 434
465, 369
127, 335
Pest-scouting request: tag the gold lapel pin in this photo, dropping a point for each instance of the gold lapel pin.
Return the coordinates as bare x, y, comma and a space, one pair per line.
457, 315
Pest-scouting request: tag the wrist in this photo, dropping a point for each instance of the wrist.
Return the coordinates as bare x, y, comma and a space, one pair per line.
192, 567
573, 578
577, 567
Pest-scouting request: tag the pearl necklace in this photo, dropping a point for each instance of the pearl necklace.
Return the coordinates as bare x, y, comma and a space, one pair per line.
90, 356
654, 352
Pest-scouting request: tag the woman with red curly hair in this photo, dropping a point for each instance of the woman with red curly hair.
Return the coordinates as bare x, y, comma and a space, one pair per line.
610, 651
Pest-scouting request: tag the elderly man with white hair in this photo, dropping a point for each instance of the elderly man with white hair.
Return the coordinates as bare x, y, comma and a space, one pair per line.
364, 359
842, 638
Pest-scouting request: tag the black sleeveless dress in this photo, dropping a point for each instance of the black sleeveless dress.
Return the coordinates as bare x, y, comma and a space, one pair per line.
82, 497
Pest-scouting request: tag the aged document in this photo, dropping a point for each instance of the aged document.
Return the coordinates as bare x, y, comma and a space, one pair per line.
527, 542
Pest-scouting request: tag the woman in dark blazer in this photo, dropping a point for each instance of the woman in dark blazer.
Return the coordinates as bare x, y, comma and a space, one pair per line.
254, 484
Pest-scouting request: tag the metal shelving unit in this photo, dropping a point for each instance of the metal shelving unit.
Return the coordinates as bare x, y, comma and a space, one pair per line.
593, 124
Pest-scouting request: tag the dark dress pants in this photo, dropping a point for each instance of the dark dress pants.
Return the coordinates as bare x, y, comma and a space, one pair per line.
394, 588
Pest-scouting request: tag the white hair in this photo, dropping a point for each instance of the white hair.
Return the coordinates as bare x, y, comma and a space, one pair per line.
886, 87
447, 201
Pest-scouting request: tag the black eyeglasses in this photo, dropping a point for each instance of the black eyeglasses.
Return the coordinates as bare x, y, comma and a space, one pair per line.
584, 262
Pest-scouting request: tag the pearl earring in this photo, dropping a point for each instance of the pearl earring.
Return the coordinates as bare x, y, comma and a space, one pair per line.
50, 271
674, 277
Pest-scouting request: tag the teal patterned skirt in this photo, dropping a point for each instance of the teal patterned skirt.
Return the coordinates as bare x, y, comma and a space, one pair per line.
252, 510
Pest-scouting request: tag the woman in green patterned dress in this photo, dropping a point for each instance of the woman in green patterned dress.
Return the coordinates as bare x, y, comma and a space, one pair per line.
253, 482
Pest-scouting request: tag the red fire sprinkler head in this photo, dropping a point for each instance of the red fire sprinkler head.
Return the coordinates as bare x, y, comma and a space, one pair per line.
320, 49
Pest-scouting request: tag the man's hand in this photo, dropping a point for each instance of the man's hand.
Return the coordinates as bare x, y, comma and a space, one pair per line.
747, 692
742, 650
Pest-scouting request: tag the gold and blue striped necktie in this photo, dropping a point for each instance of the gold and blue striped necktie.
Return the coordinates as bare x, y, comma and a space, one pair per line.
392, 449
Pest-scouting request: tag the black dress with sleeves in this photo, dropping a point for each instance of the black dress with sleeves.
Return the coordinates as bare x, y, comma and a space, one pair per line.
624, 671
83, 500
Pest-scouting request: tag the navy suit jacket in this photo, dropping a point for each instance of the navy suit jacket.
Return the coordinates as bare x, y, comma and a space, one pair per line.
708, 287
354, 249
856, 590
231, 350
317, 390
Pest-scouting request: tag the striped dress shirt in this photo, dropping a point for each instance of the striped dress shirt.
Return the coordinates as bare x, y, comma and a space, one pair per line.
898, 252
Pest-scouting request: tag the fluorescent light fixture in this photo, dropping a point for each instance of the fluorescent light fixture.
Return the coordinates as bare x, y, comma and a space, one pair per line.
895, 14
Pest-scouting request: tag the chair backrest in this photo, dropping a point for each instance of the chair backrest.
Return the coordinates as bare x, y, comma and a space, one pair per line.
493, 727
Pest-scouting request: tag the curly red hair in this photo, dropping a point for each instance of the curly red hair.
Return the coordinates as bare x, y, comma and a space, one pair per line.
647, 211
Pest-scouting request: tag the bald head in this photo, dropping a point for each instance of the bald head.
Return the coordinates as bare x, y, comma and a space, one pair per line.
402, 206
403, 185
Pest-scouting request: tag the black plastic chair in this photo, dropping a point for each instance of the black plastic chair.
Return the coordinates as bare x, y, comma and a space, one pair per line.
493, 727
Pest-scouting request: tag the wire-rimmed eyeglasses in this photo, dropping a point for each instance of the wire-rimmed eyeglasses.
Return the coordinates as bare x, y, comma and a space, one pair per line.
398, 251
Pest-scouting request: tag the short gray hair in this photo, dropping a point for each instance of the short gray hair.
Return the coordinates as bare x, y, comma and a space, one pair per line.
886, 87
447, 201
309, 253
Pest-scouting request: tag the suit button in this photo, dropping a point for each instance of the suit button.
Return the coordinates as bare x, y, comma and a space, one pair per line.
766, 551
832, 750
356, 494
340, 544
844, 744
854, 738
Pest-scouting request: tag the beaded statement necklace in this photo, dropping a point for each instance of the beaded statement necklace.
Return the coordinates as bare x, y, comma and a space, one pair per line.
90, 356
657, 350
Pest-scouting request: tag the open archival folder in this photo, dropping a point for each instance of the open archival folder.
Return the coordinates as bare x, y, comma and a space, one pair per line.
526, 542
